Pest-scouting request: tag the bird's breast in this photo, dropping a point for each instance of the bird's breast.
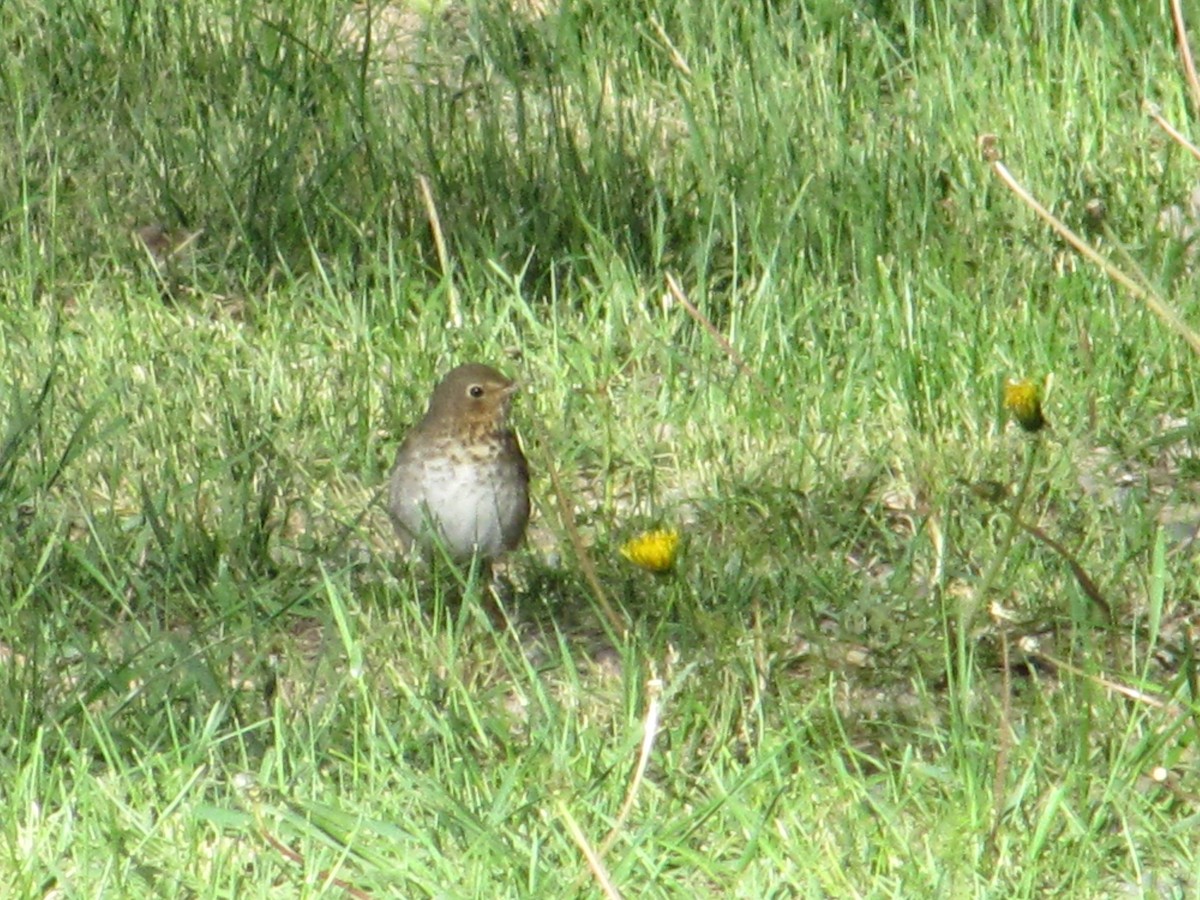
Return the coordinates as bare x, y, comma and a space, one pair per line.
475, 495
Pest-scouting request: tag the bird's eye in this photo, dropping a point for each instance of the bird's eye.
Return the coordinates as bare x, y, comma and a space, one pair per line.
475, 390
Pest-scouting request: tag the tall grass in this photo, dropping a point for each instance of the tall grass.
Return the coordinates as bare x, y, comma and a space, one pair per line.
215, 677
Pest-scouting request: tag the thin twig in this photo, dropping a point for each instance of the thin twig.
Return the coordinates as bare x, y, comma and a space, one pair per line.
439, 242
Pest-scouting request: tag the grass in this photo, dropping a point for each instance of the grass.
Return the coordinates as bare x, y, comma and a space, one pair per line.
217, 680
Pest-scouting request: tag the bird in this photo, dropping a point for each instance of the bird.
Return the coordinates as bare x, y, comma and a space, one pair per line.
460, 480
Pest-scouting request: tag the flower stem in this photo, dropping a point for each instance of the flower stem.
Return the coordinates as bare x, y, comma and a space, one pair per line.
969, 608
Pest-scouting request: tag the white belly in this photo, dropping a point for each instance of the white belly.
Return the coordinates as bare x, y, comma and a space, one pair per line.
461, 502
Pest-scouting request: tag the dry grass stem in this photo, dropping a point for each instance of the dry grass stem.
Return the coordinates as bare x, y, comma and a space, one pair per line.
654, 689
297, 858
677, 59
1156, 701
595, 863
1156, 304
650, 727
1185, 53
439, 241
703, 321
1086, 584
1003, 738
567, 516
1175, 134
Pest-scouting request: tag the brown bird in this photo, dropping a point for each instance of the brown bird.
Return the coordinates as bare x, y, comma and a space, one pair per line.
460, 477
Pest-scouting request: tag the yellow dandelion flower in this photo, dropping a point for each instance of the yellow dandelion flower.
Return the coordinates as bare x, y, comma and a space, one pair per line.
1023, 402
653, 550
